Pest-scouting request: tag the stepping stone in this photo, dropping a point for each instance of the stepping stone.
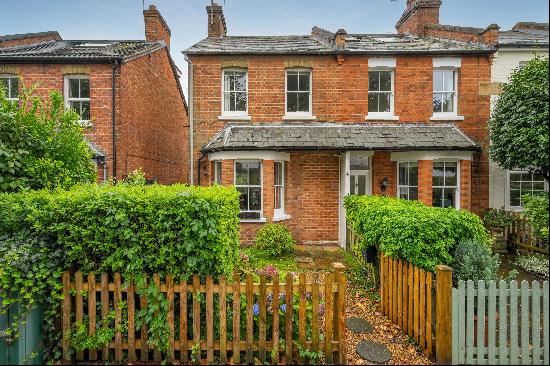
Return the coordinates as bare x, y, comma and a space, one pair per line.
304, 259
373, 352
359, 325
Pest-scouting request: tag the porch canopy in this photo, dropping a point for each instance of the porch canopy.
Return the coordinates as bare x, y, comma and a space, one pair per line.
340, 136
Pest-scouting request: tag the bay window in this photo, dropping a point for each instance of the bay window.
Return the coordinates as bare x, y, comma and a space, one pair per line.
248, 181
235, 92
407, 183
279, 187
445, 184
218, 172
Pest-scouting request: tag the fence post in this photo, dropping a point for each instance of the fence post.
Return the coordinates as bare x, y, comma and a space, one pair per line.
443, 311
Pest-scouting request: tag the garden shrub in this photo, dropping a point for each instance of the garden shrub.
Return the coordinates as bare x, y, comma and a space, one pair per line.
473, 261
422, 235
126, 228
535, 207
498, 218
274, 240
537, 264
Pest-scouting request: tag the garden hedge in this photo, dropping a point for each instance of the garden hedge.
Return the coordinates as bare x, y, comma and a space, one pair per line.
167, 229
422, 235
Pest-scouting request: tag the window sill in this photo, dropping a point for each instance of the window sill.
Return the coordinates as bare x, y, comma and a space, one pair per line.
248, 221
298, 117
85, 123
452, 117
381, 117
281, 217
244, 117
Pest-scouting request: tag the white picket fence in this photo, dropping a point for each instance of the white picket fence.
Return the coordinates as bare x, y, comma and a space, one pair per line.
501, 325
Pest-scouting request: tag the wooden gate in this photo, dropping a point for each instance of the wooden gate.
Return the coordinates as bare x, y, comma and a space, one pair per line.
502, 324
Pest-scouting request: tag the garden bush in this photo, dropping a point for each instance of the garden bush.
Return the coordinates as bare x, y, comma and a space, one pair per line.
422, 235
473, 261
537, 264
274, 240
128, 228
535, 207
498, 218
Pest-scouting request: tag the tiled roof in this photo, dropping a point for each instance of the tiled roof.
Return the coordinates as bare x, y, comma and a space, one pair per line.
14, 37
339, 136
79, 50
321, 42
526, 34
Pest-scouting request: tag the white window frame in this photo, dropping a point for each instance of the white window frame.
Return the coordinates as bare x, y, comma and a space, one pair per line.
66, 79
9, 77
454, 113
301, 113
218, 172
261, 218
383, 115
279, 212
399, 186
234, 113
457, 187
507, 198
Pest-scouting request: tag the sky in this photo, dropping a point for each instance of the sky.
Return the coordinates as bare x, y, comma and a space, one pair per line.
187, 19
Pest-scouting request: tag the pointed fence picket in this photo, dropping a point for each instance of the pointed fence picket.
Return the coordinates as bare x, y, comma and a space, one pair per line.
501, 324
186, 321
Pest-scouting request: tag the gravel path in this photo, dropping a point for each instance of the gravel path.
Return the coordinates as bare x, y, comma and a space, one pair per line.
403, 351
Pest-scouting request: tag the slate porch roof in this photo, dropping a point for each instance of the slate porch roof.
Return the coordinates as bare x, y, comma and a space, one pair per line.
339, 136
79, 51
321, 42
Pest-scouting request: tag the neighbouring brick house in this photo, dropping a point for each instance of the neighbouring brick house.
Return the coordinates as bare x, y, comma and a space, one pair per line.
298, 122
127, 92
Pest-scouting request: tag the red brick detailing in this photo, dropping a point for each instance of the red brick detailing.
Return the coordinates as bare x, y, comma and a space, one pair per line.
32, 38
228, 172
465, 184
156, 28
382, 167
425, 168
268, 193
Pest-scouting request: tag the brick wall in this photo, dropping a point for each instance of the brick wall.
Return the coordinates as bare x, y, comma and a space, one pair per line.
153, 120
30, 40
340, 95
152, 124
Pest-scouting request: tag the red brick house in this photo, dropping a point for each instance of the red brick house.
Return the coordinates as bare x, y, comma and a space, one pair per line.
127, 92
298, 122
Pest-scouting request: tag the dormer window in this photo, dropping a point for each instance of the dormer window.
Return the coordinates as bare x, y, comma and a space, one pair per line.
235, 92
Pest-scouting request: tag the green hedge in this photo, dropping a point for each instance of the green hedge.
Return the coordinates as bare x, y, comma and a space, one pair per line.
167, 229
422, 235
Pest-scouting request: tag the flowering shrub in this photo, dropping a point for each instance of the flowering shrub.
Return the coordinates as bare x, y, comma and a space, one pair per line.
268, 271
536, 264
274, 240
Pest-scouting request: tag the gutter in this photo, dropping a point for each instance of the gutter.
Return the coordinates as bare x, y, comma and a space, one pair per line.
190, 96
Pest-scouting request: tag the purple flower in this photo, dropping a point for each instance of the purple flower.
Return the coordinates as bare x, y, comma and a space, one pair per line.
321, 309
268, 271
283, 308
256, 309
308, 295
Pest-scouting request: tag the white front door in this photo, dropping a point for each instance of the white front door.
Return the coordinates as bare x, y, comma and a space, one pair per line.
355, 178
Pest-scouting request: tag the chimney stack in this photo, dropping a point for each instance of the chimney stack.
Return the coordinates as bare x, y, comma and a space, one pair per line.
156, 28
216, 21
417, 15
340, 38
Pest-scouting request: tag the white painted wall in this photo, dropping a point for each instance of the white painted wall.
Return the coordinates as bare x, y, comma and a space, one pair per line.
506, 60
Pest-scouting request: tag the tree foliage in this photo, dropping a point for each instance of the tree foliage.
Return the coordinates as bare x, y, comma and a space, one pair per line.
42, 145
519, 124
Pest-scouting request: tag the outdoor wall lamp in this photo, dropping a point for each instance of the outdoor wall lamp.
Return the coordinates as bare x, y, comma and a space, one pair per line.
384, 184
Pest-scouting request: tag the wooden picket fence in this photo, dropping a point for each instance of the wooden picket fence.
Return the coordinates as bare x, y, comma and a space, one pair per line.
503, 325
411, 300
520, 233
134, 346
